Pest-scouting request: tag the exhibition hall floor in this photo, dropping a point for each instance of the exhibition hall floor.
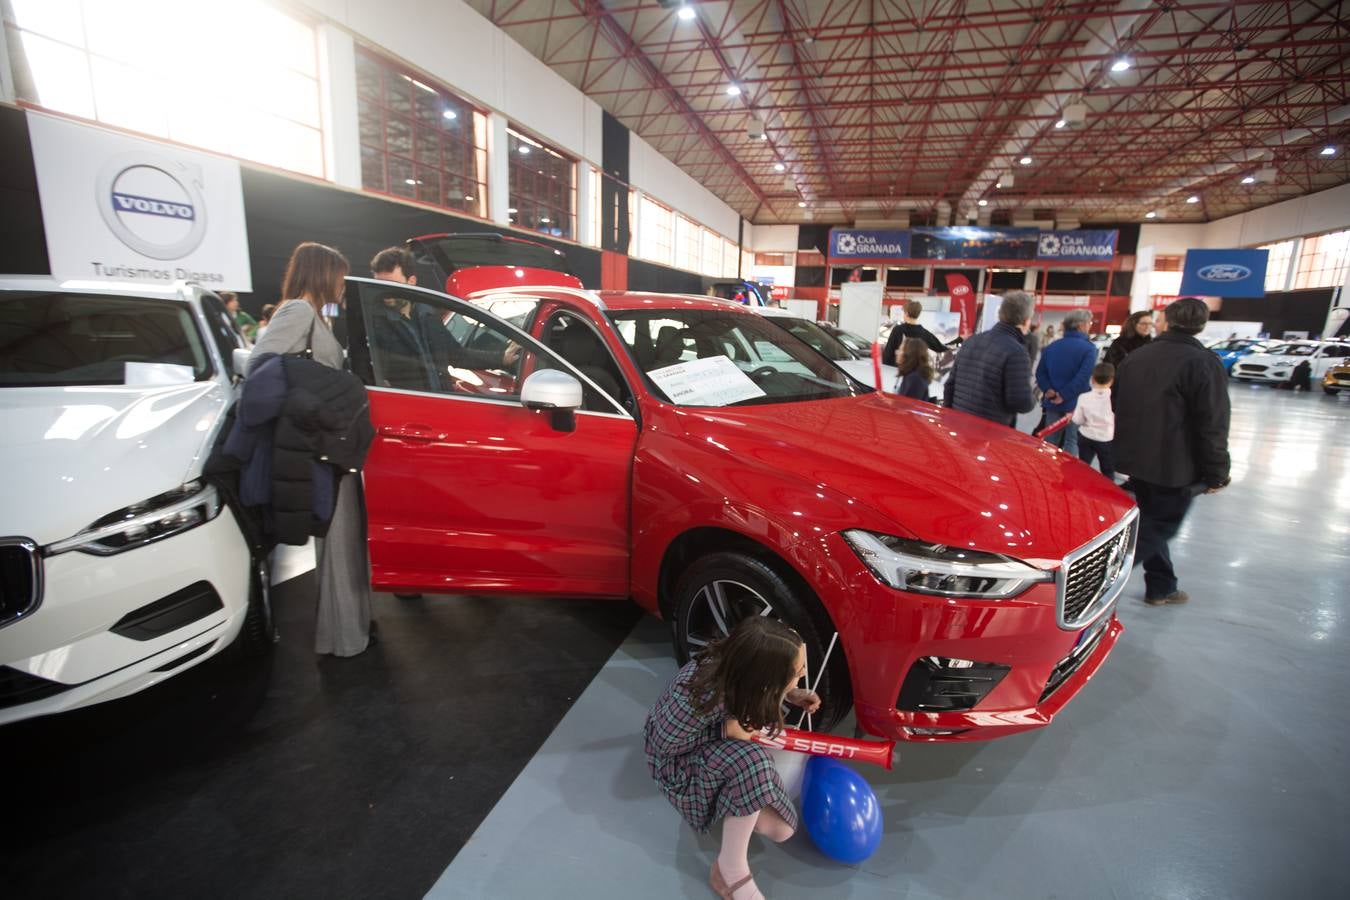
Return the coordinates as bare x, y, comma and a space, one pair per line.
1207, 758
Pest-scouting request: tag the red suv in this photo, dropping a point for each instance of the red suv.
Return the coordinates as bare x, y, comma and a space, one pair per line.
688, 453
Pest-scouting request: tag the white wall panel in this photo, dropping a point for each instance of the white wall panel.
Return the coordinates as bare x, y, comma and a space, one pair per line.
660, 178
775, 238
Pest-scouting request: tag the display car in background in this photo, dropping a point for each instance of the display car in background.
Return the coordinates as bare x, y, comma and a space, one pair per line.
1337, 379
1234, 349
1277, 363
121, 565
700, 459
860, 346
860, 367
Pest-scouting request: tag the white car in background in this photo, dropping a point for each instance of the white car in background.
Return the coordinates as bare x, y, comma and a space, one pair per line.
120, 565
1277, 364
860, 367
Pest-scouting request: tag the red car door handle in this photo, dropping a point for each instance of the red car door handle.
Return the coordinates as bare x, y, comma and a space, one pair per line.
420, 433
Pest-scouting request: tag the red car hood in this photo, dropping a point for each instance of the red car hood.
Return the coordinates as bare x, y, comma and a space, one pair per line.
926, 472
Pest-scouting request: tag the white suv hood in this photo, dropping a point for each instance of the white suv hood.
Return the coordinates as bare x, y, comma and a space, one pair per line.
72, 455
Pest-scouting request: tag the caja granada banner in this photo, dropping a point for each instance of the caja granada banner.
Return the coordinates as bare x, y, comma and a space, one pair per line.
974, 243
119, 208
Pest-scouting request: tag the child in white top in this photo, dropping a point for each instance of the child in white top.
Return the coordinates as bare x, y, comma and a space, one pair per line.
1096, 421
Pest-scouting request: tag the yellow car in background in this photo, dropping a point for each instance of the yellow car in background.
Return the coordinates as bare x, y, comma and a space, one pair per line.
1337, 379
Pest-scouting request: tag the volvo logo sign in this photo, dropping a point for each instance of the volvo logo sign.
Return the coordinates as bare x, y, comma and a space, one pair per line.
152, 205
1224, 272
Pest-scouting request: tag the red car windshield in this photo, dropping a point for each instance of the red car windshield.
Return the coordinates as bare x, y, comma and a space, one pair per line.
700, 357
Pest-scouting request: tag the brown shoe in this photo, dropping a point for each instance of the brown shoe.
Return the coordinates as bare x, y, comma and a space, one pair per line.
1175, 598
719, 884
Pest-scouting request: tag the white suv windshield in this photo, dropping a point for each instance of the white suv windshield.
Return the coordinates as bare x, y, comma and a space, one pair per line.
700, 357
53, 338
1292, 350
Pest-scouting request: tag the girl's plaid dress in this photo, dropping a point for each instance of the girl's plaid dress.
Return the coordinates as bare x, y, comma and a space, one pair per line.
704, 775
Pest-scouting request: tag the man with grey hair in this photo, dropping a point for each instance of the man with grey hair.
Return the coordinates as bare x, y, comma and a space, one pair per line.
1064, 374
1171, 437
992, 374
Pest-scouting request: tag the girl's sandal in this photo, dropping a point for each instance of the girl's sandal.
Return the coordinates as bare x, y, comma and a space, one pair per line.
719, 884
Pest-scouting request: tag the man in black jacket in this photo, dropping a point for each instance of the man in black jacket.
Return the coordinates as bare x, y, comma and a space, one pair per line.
910, 328
1172, 415
992, 375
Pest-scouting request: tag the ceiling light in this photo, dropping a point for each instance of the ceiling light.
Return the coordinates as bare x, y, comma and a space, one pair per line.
1249, 179
998, 184
524, 150
512, 211
468, 198
1328, 151
685, 13
1150, 215
1026, 160
450, 114
802, 204
1120, 65
409, 181
1193, 199
779, 167
733, 90
545, 220
983, 202
1061, 123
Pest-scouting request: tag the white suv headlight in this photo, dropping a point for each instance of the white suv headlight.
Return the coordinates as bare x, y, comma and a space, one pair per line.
164, 515
928, 568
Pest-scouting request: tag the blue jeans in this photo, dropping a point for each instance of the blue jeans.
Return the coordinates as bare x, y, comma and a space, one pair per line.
1066, 438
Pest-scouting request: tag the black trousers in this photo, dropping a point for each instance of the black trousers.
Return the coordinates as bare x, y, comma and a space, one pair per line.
1161, 512
1106, 456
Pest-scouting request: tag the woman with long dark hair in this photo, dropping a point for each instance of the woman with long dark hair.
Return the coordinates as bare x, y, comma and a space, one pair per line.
1135, 333
916, 370
314, 277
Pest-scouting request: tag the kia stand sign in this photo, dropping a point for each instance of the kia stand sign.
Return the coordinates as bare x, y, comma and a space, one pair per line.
120, 208
1225, 273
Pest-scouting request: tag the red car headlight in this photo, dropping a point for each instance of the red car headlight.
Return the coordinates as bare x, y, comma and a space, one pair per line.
928, 568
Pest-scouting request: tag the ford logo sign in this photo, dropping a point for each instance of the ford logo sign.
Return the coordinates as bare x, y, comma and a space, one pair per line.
1224, 272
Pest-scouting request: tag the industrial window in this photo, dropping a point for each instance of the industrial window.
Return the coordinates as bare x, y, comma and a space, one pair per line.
657, 240
418, 140
729, 259
250, 90
688, 243
1277, 264
543, 186
712, 253
1323, 261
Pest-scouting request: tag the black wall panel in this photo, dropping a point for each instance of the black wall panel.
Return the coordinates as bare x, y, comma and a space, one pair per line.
814, 237
615, 228
648, 276
1280, 311
280, 212
23, 245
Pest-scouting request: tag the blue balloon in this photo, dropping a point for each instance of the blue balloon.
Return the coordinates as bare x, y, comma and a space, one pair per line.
840, 811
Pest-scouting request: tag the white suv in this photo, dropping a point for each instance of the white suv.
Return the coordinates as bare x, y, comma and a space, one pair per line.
1277, 364
120, 565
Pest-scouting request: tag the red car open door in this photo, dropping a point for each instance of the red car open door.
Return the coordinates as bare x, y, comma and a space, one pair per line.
467, 491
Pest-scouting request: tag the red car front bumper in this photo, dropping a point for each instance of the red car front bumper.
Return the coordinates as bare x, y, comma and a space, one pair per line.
890, 636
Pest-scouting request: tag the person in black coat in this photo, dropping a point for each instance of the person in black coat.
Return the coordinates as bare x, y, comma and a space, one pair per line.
1172, 415
1135, 333
415, 347
992, 374
910, 328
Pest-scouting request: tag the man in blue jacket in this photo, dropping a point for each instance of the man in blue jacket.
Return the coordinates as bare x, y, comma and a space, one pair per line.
992, 374
1064, 374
